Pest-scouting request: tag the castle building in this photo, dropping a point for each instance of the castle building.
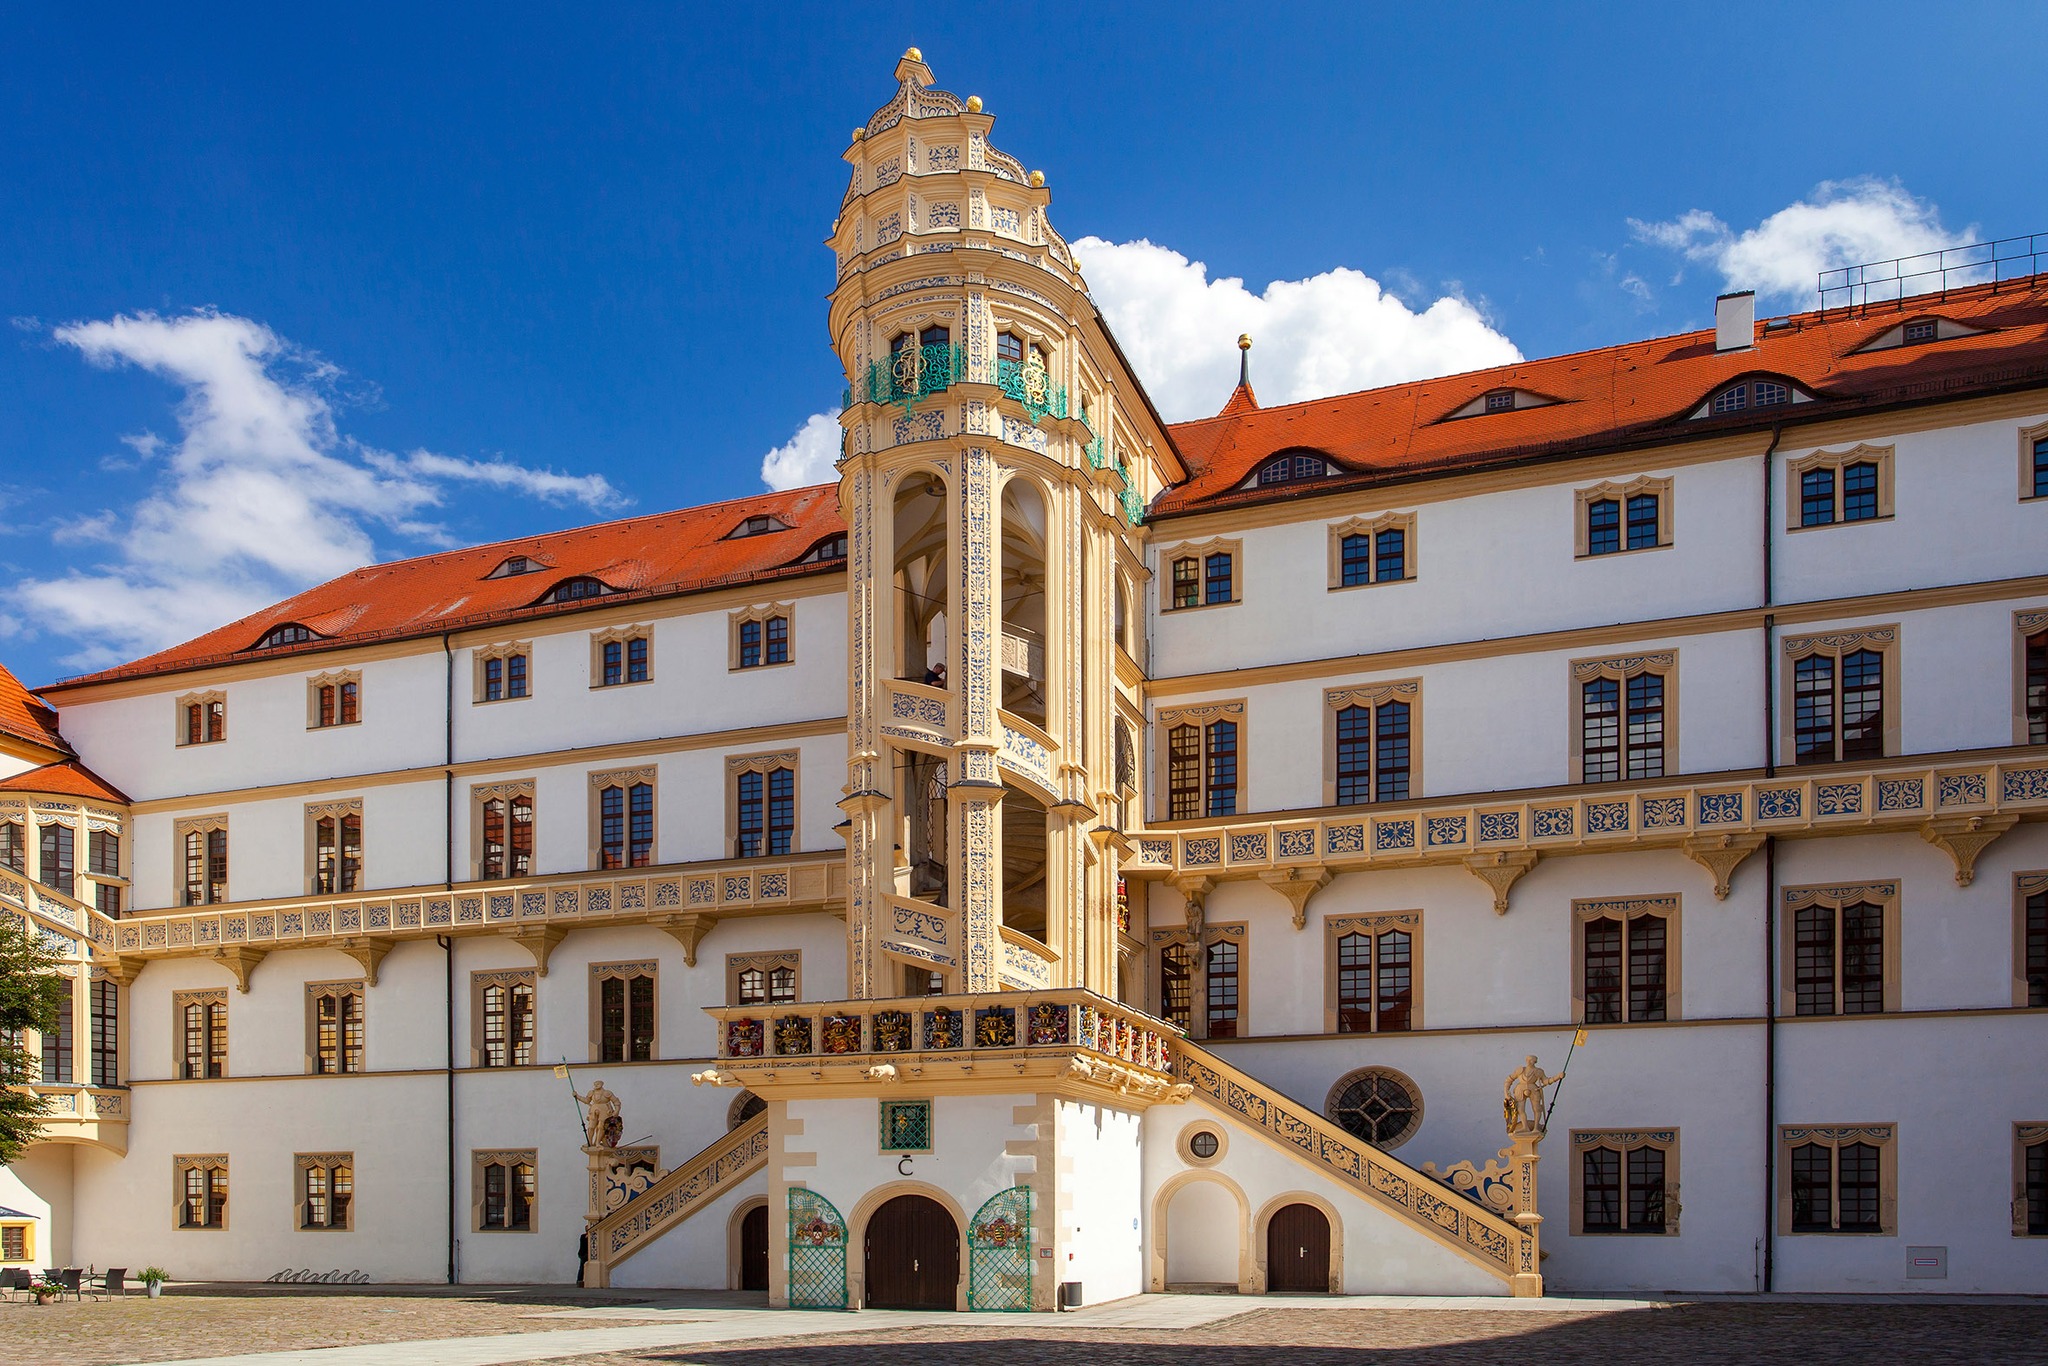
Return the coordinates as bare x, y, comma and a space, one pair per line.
1077, 854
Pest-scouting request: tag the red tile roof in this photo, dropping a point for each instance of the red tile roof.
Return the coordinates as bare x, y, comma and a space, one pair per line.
659, 555
66, 779
1619, 396
26, 716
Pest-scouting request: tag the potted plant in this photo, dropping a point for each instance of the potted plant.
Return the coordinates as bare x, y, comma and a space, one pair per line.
153, 1278
43, 1290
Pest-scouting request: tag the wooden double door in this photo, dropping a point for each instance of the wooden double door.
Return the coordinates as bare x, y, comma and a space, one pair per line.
1298, 1250
912, 1256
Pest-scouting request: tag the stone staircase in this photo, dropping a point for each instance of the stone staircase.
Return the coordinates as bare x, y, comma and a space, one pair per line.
1486, 1237
682, 1191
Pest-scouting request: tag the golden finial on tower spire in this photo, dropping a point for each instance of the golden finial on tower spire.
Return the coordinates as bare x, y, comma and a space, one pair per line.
1244, 358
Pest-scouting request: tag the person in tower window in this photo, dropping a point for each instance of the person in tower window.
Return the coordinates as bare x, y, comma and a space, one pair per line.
935, 676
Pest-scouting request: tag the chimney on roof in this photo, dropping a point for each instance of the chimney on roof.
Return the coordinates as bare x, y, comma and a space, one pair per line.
1735, 321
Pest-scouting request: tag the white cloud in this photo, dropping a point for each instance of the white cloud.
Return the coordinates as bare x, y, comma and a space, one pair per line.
1331, 333
807, 457
1842, 223
260, 495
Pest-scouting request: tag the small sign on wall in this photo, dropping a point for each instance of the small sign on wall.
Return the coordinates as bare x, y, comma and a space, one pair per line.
1926, 1263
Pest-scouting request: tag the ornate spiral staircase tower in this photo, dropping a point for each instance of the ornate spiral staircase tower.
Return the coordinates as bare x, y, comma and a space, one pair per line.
997, 459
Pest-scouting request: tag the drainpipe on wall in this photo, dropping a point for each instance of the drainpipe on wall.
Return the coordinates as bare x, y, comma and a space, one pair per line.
448, 944
1770, 876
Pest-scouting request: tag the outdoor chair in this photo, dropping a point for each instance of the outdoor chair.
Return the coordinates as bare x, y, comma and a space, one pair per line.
70, 1279
106, 1287
15, 1279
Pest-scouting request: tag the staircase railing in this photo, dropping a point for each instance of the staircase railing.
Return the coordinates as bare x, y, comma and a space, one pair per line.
686, 1188
1494, 1242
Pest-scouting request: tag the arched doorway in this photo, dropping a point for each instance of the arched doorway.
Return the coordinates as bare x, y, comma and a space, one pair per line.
754, 1249
912, 1255
1298, 1249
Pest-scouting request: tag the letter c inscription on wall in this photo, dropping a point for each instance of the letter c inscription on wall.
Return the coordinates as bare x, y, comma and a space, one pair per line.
903, 1166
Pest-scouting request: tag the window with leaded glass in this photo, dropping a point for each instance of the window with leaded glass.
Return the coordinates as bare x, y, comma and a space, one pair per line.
206, 721
103, 853
1500, 401
1202, 764
1624, 964
327, 1190
58, 1045
1373, 748
1621, 728
1859, 492
1220, 990
507, 1024
1010, 347
504, 676
1837, 1185
337, 1029
625, 825
202, 1192
1372, 551
776, 647
2034, 1184
1376, 1104
104, 998
1219, 769
1184, 772
2039, 468
1375, 973
56, 865
337, 704
1838, 707
1187, 581
508, 1191
1355, 560
505, 836
1817, 497
625, 1017
1603, 526
337, 852
1839, 945
106, 899
1642, 521
1622, 1182
2034, 947
202, 1035
1832, 488
765, 812
623, 661
763, 640
1176, 986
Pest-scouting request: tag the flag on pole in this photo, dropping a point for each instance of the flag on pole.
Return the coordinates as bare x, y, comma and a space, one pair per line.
1579, 1038
563, 1070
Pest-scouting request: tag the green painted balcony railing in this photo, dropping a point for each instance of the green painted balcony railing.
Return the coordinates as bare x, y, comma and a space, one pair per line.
1028, 383
1098, 454
914, 373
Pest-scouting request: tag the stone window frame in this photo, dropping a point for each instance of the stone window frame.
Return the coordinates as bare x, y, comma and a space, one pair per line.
1884, 639
1232, 546
2024, 885
2024, 1136
599, 973
1620, 491
1236, 932
2028, 436
1408, 690
1344, 1083
479, 794
625, 779
1884, 1137
1372, 924
200, 825
334, 678
764, 763
180, 1000
1200, 715
1669, 907
766, 961
621, 636
1184, 1141
1625, 1141
510, 1159
1622, 668
507, 978
501, 650
182, 727
1884, 457
762, 613
207, 1162
303, 1163
337, 810
1837, 895
1372, 526
314, 992
2026, 622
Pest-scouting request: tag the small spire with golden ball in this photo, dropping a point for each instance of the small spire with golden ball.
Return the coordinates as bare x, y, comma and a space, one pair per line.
1038, 180
974, 104
1244, 358
860, 133
913, 54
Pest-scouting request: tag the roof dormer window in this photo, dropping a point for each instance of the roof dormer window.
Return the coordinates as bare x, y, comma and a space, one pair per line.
1504, 400
1919, 332
515, 565
1746, 394
1290, 467
760, 524
578, 589
289, 634
1501, 401
825, 551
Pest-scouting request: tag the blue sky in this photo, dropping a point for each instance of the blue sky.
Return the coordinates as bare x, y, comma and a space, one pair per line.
295, 289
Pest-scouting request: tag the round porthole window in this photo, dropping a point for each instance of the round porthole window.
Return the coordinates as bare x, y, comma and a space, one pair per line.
1377, 1104
1203, 1144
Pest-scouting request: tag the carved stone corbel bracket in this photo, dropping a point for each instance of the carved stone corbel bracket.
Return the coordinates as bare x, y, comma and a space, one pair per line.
1500, 870
123, 968
1962, 838
689, 931
1195, 890
241, 961
367, 951
1297, 885
1719, 855
539, 941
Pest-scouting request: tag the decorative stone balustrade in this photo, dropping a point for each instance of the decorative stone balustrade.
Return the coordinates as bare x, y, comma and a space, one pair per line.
1023, 653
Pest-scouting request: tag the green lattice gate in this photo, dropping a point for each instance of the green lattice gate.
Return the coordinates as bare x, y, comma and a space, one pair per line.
817, 1252
999, 1253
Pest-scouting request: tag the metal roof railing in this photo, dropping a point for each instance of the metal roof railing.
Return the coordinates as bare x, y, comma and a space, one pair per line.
1931, 274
